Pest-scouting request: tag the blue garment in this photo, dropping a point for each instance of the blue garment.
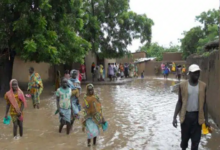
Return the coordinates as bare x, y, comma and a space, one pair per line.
74, 99
92, 129
66, 114
166, 71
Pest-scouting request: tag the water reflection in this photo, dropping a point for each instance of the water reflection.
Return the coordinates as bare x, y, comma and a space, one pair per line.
139, 115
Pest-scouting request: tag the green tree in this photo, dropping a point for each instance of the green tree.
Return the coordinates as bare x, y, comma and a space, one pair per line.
190, 41
111, 27
194, 39
155, 50
41, 30
211, 36
211, 17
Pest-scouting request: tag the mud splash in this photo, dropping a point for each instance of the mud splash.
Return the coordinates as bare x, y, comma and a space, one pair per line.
139, 115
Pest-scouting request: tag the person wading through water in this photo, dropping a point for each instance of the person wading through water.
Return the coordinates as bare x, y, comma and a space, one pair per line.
16, 103
35, 86
74, 84
192, 108
63, 96
93, 117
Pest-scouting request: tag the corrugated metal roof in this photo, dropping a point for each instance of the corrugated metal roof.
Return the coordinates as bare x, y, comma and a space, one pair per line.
144, 59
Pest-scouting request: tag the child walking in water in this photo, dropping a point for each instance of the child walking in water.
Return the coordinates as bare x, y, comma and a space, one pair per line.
15, 103
63, 95
93, 118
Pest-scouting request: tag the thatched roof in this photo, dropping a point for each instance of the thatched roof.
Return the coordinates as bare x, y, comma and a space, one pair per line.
212, 45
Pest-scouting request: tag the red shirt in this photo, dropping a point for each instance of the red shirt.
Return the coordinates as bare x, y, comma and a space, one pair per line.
80, 77
83, 68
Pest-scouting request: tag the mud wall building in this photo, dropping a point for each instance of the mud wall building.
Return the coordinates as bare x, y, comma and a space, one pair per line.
90, 58
132, 58
172, 56
210, 75
21, 71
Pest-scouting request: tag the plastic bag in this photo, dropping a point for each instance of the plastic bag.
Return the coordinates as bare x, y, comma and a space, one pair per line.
7, 120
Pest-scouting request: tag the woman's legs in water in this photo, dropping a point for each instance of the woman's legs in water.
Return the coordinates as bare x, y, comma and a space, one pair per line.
68, 127
89, 141
94, 141
20, 124
15, 127
62, 123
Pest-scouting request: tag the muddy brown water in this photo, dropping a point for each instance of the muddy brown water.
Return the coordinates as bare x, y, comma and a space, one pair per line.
139, 115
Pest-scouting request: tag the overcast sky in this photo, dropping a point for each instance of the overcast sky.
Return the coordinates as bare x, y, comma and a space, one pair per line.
171, 17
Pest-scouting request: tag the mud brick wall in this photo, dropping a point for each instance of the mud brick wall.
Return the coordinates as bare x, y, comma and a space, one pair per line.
170, 56
210, 75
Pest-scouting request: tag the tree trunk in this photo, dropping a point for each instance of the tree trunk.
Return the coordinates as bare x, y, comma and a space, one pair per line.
6, 67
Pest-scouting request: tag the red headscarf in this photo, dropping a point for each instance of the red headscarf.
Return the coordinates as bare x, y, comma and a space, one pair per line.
11, 97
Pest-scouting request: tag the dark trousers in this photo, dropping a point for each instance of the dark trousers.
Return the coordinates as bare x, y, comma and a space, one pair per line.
179, 76
190, 129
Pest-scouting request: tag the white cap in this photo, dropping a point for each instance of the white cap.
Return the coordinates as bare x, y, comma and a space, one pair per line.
194, 68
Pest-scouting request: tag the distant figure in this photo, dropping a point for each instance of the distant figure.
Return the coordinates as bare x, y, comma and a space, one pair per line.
166, 72
179, 72
142, 74
93, 68
126, 73
101, 73
110, 71
79, 76
67, 74
35, 86
83, 72
173, 67
121, 67
184, 71
115, 71
162, 68
15, 103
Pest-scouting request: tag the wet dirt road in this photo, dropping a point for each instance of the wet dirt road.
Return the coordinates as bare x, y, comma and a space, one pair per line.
139, 115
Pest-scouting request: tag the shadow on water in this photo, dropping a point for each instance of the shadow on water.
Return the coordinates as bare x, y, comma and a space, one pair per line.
139, 115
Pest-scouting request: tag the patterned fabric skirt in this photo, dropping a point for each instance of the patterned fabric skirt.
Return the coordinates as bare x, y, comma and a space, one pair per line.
15, 118
36, 96
75, 108
66, 115
92, 129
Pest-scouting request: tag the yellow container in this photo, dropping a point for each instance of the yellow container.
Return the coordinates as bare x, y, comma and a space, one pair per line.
206, 130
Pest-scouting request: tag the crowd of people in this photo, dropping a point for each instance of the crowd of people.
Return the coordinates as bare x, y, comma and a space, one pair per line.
178, 70
68, 90
114, 71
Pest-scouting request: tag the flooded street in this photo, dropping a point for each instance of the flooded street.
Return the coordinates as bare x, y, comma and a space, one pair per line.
139, 114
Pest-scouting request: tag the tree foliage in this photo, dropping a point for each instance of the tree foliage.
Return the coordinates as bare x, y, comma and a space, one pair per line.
156, 50
194, 39
190, 41
111, 27
43, 30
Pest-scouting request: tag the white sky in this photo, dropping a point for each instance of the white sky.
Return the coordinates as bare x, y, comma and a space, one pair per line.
171, 17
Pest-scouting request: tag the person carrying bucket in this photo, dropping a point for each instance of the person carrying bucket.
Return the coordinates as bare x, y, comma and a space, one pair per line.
192, 108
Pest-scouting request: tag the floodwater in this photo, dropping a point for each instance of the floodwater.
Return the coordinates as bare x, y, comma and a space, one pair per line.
139, 114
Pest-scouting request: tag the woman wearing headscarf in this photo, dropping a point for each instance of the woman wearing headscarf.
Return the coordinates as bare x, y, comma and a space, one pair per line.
74, 84
93, 118
15, 103
35, 86
67, 74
